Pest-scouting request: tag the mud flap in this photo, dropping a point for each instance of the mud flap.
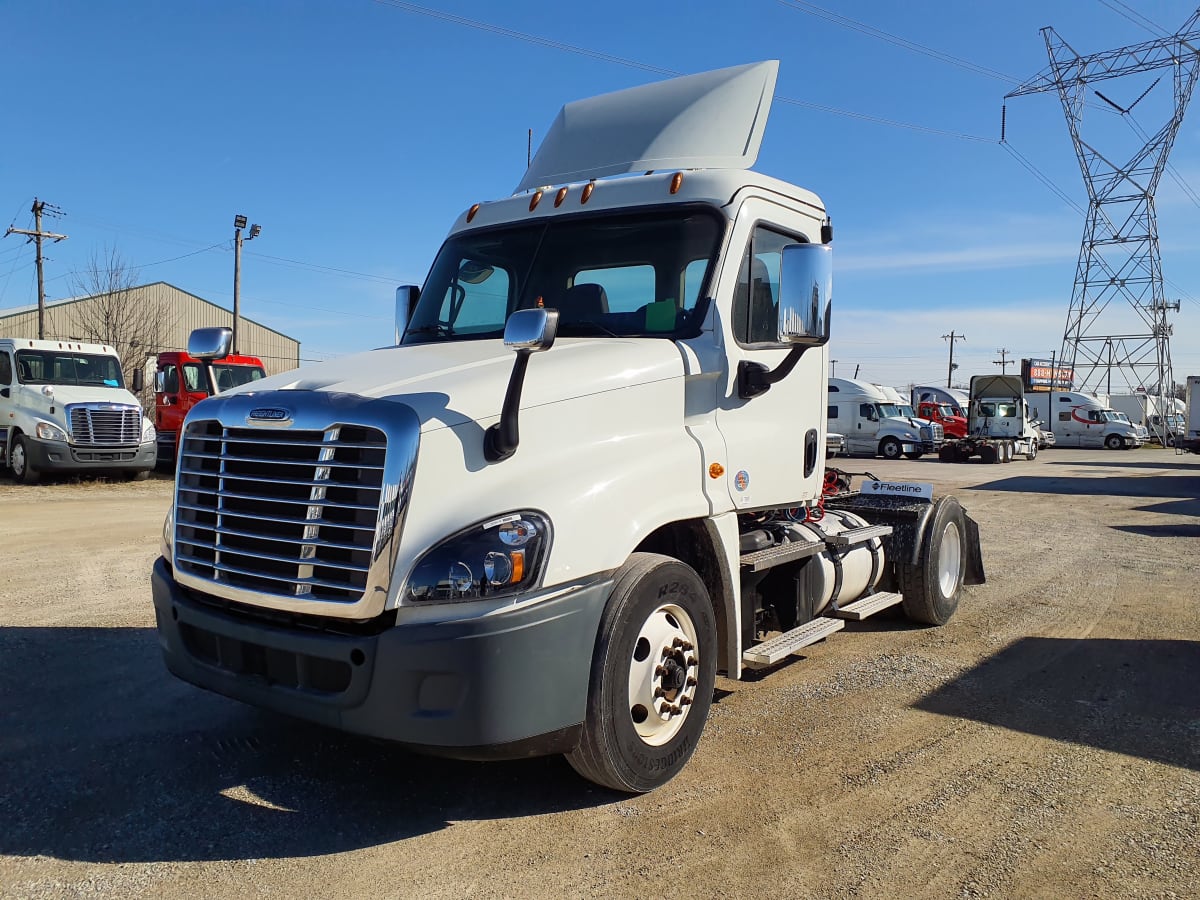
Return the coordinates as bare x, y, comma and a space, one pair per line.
973, 553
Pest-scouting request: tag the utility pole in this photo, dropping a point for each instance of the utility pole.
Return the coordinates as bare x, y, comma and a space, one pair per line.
239, 222
952, 337
833, 369
37, 236
1002, 362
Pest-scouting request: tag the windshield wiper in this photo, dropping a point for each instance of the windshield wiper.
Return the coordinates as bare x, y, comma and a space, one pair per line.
437, 328
586, 323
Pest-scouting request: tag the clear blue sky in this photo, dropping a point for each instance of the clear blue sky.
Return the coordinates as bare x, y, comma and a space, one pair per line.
354, 131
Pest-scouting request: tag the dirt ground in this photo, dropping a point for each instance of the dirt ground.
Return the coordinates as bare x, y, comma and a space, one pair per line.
1044, 743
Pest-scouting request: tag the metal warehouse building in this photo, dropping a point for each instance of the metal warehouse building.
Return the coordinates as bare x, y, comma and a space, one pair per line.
149, 318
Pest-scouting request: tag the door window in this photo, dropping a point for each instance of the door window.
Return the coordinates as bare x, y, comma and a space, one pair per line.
170, 379
5, 369
756, 300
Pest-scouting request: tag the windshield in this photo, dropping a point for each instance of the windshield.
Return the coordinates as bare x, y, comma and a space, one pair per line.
947, 410
1116, 416
887, 410
231, 376
62, 367
618, 274
906, 410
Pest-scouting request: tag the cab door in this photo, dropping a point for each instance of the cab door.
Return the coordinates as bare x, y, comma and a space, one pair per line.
774, 441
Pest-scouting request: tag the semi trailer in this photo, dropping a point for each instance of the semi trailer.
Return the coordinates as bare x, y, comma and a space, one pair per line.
588, 477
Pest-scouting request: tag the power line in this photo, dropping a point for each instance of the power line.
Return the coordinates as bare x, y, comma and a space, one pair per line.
1135, 17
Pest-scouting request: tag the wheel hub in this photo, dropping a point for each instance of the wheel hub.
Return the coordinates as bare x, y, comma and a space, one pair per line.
663, 674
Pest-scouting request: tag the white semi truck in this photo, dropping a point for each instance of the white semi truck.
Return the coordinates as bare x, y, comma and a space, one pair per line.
1156, 414
64, 409
873, 422
400, 545
1081, 420
1000, 423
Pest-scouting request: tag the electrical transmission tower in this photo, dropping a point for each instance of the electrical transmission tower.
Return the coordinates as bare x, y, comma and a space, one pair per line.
1119, 266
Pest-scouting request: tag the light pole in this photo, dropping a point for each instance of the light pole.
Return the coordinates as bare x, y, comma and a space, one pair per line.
239, 222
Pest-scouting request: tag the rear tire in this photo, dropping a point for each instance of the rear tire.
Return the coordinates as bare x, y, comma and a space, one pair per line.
22, 471
989, 454
931, 587
656, 649
1033, 449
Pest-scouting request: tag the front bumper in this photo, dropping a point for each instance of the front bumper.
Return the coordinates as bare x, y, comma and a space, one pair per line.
506, 685
56, 456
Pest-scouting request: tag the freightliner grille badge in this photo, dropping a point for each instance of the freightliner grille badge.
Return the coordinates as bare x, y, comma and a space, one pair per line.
270, 414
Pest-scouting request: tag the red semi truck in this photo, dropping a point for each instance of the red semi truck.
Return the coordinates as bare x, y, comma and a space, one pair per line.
943, 414
180, 383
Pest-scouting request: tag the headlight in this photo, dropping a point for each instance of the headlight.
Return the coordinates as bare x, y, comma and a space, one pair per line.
50, 432
168, 535
926, 432
497, 558
148, 432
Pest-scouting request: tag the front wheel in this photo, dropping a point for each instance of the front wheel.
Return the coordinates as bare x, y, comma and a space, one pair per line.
652, 680
1114, 442
22, 471
891, 448
930, 588
1033, 450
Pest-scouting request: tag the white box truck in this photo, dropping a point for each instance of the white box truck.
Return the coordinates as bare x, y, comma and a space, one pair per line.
1191, 424
64, 409
873, 424
589, 476
1080, 420
1156, 414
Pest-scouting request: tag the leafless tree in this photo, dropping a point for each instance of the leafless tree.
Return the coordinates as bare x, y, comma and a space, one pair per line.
119, 314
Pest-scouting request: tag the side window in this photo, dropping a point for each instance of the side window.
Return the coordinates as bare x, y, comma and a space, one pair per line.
756, 299
193, 379
5, 369
1095, 416
831, 413
627, 288
171, 379
1064, 417
987, 410
867, 411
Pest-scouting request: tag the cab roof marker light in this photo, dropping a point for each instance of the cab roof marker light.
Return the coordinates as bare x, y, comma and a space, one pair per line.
587, 192
472, 211
676, 182
535, 200
560, 197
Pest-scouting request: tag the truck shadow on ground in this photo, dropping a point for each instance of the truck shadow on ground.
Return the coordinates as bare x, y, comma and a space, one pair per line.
1181, 487
1183, 463
105, 757
1126, 696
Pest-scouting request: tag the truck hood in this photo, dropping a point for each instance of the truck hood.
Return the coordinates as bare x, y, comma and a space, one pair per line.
449, 384
80, 393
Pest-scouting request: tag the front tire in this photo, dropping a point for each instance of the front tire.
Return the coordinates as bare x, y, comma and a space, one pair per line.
891, 448
1114, 442
22, 471
652, 680
931, 587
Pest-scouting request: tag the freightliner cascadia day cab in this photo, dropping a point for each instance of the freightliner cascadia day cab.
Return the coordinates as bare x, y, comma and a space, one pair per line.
1080, 420
64, 409
1000, 424
873, 425
181, 381
588, 478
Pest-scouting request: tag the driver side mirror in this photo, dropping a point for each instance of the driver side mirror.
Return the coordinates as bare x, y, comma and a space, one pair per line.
210, 343
139, 379
805, 294
407, 296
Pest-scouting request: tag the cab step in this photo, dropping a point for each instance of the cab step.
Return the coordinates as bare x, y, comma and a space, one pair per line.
867, 606
780, 554
858, 535
772, 651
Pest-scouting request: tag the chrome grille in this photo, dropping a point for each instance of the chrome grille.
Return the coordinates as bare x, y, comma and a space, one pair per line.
105, 424
281, 512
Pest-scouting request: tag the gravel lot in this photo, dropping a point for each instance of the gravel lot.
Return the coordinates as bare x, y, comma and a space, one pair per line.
1044, 743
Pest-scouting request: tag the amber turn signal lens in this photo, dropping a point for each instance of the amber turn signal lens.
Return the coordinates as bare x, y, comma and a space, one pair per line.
716, 470
471, 212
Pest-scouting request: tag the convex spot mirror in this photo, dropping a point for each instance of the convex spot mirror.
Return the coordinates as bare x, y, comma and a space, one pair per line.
805, 294
210, 343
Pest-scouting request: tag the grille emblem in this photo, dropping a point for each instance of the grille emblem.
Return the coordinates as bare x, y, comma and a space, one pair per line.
269, 414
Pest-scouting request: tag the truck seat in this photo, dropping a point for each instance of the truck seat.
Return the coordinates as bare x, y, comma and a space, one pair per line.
583, 303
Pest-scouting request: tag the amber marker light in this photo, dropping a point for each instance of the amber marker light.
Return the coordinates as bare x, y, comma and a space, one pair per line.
676, 182
716, 470
560, 197
471, 212
517, 558
587, 192
535, 200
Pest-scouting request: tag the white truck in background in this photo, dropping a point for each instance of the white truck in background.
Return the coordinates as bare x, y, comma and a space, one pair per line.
1191, 423
399, 545
1081, 420
1000, 424
957, 399
1156, 414
873, 425
64, 409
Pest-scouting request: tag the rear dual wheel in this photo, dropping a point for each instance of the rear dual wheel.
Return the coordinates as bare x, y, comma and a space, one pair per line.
653, 672
931, 586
